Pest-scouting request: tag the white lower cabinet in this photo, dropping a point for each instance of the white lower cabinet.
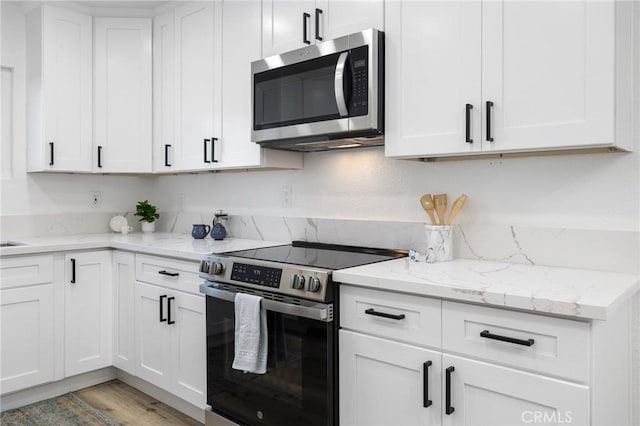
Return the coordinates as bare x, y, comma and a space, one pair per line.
384, 383
170, 329
124, 350
87, 312
26, 322
492, 367
486, 394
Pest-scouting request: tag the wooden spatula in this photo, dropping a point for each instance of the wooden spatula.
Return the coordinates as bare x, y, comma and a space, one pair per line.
426, 201
456, 207
440, 203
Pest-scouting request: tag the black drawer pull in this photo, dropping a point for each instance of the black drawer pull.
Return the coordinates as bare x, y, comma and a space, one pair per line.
51, 153
426, 402
162, 318
468, 109
447, 397
73, 271
169, 274
205, 150
213, 150
486, 334
100, 156
166, 155
305, 20
489, 107
169, 310
318, 13
370, 311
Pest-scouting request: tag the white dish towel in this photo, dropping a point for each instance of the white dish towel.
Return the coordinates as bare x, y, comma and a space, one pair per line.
251, 340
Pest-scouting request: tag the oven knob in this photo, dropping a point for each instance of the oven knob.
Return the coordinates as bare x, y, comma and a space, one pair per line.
216, 268
297, 281
203, 266
314, 284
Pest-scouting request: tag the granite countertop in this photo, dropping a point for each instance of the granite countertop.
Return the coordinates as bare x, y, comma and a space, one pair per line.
551, 290
181, 246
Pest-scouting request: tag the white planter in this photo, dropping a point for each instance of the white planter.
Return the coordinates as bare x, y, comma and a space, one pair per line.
148, 227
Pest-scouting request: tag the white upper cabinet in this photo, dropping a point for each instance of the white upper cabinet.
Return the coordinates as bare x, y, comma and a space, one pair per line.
289, 25
202, 88
432, 73
494, 76
122, 121
59, 93
548, 69
163, 92
196, 122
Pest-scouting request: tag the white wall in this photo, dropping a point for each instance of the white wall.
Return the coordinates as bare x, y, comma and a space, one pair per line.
38, 194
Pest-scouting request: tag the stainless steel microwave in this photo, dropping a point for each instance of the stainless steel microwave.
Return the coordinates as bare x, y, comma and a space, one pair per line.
328, 95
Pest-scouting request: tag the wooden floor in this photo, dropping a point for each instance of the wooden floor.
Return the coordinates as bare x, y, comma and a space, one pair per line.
129, 406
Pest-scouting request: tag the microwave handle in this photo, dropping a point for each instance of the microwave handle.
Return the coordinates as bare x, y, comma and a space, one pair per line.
339, 84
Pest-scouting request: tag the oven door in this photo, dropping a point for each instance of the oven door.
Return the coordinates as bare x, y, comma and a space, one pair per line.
299, 386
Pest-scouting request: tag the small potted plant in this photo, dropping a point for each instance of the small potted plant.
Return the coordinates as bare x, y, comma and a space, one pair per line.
148, 214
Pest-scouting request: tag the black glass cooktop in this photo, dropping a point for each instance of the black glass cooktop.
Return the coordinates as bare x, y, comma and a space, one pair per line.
326, 256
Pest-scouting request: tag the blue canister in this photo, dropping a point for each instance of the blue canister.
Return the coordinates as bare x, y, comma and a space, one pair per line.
200, 231
218, 232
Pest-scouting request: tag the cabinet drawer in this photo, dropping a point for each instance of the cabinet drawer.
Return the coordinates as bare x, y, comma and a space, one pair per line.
416, 319
23, 271
177, 274
558, 347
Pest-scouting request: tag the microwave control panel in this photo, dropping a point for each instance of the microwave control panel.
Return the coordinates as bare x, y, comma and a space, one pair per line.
359, 104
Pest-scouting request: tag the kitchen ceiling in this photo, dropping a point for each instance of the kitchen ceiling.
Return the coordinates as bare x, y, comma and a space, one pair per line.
124, 4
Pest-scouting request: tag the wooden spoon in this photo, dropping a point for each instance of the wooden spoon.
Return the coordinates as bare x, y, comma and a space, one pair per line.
456, 207
426, 201
440, 202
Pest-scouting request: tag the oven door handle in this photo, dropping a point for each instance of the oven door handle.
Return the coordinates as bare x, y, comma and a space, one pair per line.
315, 311
338, 84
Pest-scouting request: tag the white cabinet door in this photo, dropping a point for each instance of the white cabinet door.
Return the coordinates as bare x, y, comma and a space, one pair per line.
26, 337
189, 349
548, 68
196, 121
237, 21
59, 71
486, 394
432, 74
123, 311
122, 52
163, 92
153, 345
283, 25
338, 17
87, 313
387, 383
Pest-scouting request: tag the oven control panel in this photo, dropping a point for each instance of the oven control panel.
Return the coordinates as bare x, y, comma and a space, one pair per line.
291, 280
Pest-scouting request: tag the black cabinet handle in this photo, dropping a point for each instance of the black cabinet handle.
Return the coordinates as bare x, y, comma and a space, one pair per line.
170, 274
448, 408
305, 19
51, 153
486, 334
100, 156
169, 300
162, 318
468, 139
205, 151
213, 150
318, 13
73, 271
370, 311
426, 402
166, 155
489, 107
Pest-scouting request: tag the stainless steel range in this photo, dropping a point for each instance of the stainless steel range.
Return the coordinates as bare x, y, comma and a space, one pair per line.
301, 300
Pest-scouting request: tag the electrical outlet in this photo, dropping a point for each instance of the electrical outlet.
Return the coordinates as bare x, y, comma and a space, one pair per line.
287, 195
95, 199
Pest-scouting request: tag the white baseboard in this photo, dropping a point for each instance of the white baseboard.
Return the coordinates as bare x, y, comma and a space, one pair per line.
196, 413
51, 390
